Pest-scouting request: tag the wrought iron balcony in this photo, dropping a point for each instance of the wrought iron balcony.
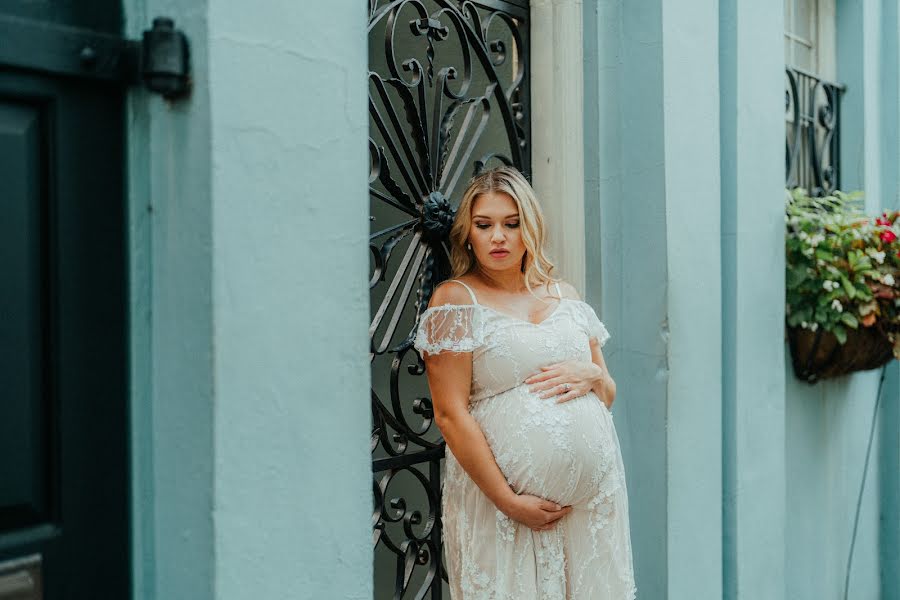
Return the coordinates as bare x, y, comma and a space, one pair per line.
813, 125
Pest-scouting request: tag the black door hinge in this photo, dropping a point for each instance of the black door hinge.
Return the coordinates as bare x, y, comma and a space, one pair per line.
160, 60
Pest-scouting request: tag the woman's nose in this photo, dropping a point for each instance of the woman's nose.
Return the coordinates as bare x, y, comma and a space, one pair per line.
497, 233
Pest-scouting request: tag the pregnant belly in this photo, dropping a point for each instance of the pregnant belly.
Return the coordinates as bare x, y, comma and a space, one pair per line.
561, 452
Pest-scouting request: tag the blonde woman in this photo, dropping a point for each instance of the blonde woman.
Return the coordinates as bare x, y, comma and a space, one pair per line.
534, 499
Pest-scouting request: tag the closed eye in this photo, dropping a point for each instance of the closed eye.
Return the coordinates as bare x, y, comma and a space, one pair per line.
486, 225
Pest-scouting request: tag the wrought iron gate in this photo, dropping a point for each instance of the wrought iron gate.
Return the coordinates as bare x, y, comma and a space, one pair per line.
448, 96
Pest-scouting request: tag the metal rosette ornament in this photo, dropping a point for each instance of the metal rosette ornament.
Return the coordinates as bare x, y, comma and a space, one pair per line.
447, 99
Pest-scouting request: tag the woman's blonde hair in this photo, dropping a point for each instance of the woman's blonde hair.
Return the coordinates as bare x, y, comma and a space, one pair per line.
535, 264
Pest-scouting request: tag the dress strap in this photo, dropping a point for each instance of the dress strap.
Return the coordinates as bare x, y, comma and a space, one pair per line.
558, 291
471, 293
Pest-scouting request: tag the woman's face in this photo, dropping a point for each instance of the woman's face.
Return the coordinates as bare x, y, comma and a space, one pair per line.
495, 234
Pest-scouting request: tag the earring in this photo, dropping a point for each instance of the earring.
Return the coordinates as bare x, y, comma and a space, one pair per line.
468, 246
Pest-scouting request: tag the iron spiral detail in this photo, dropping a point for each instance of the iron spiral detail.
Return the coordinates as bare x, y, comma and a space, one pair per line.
812, 140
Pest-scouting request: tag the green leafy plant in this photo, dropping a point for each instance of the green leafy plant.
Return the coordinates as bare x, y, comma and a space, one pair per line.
843, 266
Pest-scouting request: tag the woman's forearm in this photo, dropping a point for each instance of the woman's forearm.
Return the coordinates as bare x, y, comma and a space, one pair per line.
468, 444
604, 387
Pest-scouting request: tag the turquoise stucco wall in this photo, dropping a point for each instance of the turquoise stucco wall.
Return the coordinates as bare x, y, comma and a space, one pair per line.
291, 300
751, 65
172, 387
867, 39
248, 237
790, 456
623, 202
827, 425
656, 208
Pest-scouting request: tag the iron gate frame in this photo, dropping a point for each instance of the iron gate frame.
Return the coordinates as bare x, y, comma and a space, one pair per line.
431, 214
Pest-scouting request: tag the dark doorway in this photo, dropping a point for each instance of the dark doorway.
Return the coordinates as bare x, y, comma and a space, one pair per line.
64, 505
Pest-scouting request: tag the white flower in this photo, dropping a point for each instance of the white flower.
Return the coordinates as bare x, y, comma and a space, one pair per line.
815, 239
829, 285
802, 235
813, 326
888, 279
804, 324
836, 305
878, 256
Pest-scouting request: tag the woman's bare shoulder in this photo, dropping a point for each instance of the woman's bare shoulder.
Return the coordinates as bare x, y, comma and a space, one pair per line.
449, 293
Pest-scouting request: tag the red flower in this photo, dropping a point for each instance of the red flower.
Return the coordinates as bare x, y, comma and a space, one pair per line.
882, 221
888, 236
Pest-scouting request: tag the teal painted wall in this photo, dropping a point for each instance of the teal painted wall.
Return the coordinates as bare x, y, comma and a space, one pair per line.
249, 308
292, 487
868, 59
172, 399
751, 66
790, 456
625, 218
652, 215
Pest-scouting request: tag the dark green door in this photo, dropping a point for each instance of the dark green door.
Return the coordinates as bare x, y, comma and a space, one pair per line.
64, 506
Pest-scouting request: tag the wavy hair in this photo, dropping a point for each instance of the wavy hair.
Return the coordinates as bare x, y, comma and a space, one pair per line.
536, 267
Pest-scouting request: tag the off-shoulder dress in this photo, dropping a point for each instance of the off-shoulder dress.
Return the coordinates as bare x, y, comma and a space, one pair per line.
568, 453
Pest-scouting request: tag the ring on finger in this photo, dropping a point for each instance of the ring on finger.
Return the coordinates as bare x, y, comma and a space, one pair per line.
567, 386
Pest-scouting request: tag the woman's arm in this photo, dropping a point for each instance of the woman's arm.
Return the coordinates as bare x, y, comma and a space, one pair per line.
449, 377
604, 385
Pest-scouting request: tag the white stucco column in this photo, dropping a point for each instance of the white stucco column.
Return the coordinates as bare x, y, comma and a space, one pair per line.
557, 129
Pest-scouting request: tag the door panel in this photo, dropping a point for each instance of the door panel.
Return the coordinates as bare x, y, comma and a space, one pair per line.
23, 433
63, 338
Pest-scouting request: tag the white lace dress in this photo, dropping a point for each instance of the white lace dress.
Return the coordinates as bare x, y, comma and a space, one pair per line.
567, 453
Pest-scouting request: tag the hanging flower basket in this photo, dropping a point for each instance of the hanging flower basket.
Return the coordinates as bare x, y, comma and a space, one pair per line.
843, 300
819, 355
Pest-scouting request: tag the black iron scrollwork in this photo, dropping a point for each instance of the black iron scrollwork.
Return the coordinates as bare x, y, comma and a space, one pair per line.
447, 89
812, 142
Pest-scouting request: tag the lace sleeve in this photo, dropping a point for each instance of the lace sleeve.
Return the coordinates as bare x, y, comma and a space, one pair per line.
592, 324
452, 327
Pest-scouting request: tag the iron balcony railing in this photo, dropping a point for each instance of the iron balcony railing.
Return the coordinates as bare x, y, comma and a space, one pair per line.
813, 126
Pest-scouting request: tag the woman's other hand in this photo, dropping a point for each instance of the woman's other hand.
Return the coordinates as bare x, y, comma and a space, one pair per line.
534, 512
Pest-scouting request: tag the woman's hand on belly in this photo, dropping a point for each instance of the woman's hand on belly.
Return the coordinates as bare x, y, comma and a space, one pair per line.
534, 512
565, 380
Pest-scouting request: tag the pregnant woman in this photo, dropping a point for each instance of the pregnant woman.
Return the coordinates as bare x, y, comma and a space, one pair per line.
534, 499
